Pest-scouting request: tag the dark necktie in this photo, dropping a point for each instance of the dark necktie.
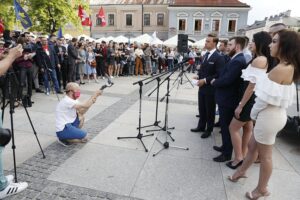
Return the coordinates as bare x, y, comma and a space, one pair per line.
206, 56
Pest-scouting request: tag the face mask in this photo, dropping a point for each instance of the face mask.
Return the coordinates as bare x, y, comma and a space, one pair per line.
76, 94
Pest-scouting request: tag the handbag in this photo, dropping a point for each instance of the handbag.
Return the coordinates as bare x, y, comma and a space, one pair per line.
292, 123
93, 63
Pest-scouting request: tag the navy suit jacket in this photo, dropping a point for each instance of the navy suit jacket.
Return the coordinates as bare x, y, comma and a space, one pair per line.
210, 69
229, 84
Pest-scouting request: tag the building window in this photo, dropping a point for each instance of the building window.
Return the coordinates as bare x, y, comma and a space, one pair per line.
160, 19
146, 19
182, 25
198, 25
128, 19
111, 19
216, 25
231, 25
98, 21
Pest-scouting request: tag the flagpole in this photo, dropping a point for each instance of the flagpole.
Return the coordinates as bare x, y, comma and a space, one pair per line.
91, 26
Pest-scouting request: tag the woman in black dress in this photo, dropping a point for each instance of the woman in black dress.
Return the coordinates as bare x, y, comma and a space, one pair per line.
259, 64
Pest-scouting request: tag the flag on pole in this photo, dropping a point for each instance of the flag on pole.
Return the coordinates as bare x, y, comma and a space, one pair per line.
1, 26
59, 33
85, 19
22, 15
101, 15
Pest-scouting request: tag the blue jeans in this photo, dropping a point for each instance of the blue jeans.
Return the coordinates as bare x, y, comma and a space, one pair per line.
52, 73
154, 67
71, 131
3, 181
170, 64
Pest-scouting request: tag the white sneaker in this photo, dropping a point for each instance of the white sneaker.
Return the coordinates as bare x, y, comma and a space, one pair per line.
9, 178
13, 188
96, 81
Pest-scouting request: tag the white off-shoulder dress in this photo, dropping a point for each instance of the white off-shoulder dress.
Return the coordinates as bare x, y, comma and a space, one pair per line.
269, 109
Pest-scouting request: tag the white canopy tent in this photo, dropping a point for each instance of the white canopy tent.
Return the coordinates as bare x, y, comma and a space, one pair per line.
172, 42
200, 43
156, 41
145, 38
121, 39
109, 39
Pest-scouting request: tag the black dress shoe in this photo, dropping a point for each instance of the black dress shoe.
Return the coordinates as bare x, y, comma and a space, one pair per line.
197, 130
197, 115
219, 149
231, 166
222, 158
38, 90
59, 92
206, 134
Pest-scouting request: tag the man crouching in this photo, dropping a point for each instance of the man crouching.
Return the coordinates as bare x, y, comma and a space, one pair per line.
69, 115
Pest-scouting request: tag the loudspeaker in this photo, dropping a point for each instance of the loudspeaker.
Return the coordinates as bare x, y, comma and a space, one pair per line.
182, 44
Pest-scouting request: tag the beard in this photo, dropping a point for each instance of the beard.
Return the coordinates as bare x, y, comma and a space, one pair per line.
232, 53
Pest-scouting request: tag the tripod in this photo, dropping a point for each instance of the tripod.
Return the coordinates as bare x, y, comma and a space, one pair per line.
166, 144
11, 101
140, 135
180, 77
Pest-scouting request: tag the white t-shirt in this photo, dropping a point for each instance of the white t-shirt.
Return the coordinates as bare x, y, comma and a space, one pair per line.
65, 113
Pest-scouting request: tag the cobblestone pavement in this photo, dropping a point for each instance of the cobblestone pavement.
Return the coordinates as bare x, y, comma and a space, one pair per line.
36, 170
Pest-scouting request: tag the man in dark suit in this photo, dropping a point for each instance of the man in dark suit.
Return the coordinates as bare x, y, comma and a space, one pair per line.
227, 89
210, 69
72, 59
62, 54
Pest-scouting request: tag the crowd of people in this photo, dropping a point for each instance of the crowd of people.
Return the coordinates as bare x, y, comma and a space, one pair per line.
252, 84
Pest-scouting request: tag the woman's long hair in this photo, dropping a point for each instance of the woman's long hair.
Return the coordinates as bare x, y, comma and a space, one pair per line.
262, 41
289, 50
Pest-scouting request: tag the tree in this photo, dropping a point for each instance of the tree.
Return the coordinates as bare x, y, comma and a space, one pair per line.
7, 13
48, 16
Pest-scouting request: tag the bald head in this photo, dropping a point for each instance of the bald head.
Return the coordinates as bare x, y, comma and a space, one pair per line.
72, 86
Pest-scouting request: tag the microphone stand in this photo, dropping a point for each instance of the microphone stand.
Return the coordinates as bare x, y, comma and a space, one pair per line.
156, 122
139, 136
166, 144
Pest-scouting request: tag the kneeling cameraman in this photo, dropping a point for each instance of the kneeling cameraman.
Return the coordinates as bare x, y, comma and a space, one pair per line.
7, 187
69, 115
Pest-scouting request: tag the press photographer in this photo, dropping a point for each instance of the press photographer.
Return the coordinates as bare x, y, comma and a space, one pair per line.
7, 187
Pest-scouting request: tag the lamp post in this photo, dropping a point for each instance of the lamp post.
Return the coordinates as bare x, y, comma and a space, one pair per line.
142, 17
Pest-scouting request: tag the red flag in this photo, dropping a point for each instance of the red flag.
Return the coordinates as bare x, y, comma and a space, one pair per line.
101, 15
1, 26
85, 19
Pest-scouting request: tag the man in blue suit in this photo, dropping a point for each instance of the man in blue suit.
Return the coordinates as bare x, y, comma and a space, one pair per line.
228, 87
210, 69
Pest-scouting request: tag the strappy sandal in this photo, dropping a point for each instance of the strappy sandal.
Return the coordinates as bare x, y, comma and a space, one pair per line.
237, 178
254, 195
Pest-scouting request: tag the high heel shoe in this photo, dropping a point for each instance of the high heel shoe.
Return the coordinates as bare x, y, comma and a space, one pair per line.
254, 195
237, 178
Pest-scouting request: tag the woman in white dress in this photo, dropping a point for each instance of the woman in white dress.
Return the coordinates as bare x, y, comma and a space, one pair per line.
274, 92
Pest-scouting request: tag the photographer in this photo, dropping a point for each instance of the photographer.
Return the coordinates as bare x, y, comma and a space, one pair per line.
7, 187
69, 115
24, 64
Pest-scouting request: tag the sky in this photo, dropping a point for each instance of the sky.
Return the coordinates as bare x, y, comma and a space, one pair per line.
266, 8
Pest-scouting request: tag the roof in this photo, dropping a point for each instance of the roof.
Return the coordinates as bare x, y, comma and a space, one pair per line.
109, 2
208, 3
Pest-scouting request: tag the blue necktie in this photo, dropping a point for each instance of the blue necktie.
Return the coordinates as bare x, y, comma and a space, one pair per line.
206, 56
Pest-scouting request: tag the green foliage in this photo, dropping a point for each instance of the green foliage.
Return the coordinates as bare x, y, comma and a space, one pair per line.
7, 13
47, 16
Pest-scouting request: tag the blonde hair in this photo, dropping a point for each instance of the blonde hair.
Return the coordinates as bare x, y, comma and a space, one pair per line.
71, 86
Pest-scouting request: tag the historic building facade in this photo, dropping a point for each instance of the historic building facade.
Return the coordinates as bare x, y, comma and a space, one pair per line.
130, 18
196, 18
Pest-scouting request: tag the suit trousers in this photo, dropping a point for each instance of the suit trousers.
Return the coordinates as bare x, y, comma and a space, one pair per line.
207, 108
226, 115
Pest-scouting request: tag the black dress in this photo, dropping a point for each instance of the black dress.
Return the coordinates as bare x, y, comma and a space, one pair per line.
245, 113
